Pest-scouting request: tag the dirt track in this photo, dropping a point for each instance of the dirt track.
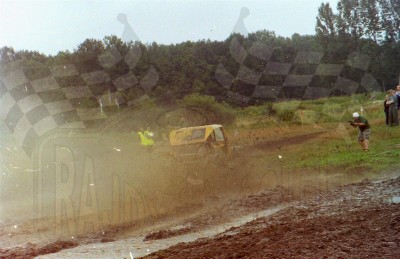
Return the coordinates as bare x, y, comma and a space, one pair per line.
358, 221
314, 216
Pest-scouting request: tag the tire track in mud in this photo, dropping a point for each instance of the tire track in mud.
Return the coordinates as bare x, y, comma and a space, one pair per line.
277, 144
327, 225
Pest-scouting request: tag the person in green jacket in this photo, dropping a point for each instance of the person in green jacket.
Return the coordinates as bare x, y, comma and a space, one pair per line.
146, 138
364, 130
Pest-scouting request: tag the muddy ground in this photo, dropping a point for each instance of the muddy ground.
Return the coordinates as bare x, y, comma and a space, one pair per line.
247, 207
354, 221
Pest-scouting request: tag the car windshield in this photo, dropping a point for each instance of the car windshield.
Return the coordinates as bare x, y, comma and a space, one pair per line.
219, 135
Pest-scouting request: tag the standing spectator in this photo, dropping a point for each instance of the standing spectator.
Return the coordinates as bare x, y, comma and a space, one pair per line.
364, 130
386, 109
398, 96
393, 109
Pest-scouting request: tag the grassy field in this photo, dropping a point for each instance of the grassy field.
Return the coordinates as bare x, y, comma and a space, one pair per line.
338, 148
334, 152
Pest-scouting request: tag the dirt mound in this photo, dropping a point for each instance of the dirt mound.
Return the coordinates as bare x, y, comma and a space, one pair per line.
161, 234
358, 220
32, 250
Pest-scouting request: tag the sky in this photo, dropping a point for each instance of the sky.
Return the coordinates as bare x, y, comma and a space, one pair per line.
50, 26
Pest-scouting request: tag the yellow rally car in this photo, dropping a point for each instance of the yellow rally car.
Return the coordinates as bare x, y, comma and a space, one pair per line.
199, 141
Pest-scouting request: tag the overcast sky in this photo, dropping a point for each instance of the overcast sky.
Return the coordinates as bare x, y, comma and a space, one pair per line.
52, 26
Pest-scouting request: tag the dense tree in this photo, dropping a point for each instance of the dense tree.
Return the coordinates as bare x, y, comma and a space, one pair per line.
62, 58
326, 28
378, 20
368, 26
371, 20
7, 54
87, 54
390, 17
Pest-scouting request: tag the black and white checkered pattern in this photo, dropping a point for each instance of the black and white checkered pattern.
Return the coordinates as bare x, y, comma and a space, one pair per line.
297, 77
65, 97
33, 107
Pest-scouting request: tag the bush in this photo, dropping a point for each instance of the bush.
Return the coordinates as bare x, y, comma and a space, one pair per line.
285, 110
305, 117
333, 111
223, 112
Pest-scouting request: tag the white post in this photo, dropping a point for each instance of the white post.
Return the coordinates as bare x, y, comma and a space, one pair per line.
362, 111
101, 105
116, 102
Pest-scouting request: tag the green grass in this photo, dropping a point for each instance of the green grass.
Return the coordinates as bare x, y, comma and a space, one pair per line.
336, 153
332, 109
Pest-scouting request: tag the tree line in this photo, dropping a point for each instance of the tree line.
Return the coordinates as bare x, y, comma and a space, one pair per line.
371, 27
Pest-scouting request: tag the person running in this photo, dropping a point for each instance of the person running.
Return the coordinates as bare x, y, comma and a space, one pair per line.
364, 130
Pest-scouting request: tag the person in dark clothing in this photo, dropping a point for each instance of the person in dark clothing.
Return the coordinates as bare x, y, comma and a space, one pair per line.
398, 96
393, 109
386, 109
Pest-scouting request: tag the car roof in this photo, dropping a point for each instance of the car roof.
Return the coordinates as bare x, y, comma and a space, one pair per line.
178, 136
214, 126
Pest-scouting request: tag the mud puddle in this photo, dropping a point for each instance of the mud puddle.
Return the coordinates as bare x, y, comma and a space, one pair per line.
394, 199
136, 247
